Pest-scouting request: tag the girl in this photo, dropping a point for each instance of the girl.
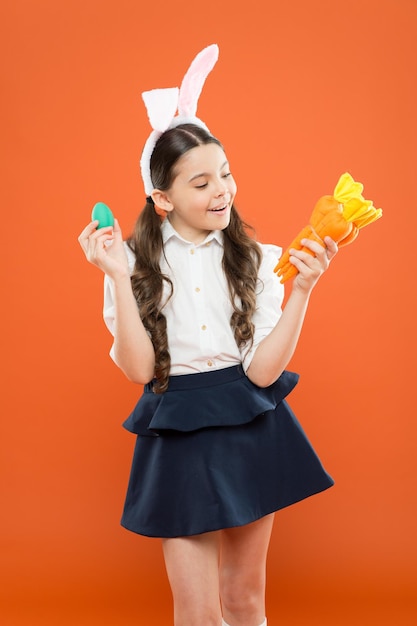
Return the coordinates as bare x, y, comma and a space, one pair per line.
195, 310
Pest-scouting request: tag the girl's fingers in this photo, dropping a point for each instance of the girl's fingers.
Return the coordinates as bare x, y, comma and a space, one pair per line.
315, 247
302, 261
309, 262
104, 248
308, 259
331, 246
95, 241
323, 253
117, 231
315, 263
92, 231
88, 230
97, 245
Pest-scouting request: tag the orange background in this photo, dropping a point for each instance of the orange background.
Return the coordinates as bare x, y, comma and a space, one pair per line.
302, 92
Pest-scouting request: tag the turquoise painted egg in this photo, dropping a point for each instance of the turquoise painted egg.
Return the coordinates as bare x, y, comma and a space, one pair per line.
102, 213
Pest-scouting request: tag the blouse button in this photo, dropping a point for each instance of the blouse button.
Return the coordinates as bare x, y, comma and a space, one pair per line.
204, 327
197, 289
209, 363
192, 251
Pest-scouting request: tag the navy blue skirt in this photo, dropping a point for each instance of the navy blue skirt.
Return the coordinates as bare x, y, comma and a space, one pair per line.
216, 451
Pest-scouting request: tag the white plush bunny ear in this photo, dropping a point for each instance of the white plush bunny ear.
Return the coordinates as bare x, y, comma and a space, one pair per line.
194, 79
161, 105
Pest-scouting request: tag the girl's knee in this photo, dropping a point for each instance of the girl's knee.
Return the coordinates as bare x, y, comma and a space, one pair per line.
243, 596
240, 597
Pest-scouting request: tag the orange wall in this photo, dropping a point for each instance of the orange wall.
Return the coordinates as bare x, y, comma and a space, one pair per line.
303, 91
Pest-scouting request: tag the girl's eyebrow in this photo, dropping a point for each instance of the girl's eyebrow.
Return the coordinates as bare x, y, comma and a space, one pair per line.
205, 173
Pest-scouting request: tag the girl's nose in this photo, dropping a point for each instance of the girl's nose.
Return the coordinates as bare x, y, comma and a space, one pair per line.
222, 189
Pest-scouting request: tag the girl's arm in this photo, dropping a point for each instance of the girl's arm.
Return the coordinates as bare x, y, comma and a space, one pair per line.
133, 349
275, 351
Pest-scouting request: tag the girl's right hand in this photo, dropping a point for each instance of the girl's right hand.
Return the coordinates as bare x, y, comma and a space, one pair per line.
105, 249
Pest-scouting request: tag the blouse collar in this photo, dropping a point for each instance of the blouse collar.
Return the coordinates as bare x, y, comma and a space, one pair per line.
168, 232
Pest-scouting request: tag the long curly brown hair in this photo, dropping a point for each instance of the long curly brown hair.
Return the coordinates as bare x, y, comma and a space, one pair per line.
241, 258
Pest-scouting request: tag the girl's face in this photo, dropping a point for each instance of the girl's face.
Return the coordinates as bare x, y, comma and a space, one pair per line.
200, 198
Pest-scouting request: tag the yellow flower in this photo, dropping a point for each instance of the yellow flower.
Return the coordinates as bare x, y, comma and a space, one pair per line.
355, 208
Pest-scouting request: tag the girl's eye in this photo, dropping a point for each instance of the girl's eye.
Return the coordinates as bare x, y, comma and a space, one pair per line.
201, 186
227, 175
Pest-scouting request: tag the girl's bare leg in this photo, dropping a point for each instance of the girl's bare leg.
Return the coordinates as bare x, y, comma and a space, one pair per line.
243, 572
192, 565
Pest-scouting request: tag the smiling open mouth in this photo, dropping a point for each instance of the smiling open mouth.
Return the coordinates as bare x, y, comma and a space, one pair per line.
222, 208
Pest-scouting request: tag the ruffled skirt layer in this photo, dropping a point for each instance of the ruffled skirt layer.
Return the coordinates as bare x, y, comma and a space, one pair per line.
216, 451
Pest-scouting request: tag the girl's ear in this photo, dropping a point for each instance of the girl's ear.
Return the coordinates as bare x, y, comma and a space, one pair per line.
161, 200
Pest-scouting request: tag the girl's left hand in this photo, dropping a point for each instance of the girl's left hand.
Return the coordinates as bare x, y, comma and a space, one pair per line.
311, 266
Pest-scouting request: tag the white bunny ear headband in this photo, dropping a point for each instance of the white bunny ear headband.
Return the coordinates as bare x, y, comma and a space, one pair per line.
162, 105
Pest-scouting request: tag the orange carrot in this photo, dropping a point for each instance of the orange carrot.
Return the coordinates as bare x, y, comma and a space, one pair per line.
339, 216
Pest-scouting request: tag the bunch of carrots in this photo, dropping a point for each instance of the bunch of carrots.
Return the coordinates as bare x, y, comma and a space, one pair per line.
340, 217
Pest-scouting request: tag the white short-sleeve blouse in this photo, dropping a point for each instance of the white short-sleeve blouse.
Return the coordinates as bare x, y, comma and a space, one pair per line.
200, 338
